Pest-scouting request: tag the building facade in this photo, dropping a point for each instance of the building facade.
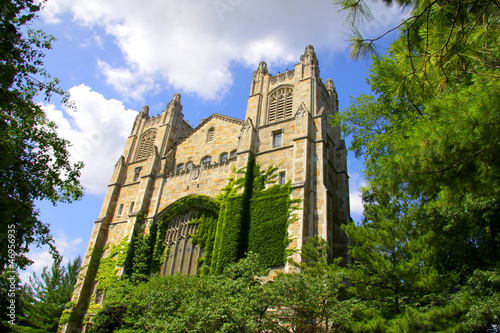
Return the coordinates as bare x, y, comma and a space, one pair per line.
287, 124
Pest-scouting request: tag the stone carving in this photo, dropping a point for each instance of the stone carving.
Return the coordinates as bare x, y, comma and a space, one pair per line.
195, 173
281, 77
120, 162
143, 114
262, 69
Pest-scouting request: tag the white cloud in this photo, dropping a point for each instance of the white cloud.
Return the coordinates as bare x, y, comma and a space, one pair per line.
42, 258
356, 182
191, 44
97, 131
356, 202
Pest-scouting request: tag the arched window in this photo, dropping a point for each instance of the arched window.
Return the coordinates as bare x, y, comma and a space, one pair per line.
179, 167
280, 104
146, 144
206, 160
232, 154
189, 166
210, 135
223, 157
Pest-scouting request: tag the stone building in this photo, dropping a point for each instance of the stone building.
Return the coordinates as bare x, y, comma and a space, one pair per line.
287, 124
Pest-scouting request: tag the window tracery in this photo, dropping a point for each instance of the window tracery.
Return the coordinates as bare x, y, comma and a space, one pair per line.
280, 104
146, 144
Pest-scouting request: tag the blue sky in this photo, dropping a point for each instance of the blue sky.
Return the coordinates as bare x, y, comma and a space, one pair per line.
116, 56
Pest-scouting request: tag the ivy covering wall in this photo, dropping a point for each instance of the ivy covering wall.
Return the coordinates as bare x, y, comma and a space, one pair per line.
245, 217
251, 218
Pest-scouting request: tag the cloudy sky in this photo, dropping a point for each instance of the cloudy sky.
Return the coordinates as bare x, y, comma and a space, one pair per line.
116, 56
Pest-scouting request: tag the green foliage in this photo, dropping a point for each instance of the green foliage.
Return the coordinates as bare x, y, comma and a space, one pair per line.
227, 246
108, 266
315, 298
231, 302
268, 234
205, 238
10, 299
45, 297
139, 260
246, 224
236, 301
35, 161
390, 255
432, 204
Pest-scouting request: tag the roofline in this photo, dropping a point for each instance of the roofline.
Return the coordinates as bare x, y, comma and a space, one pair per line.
214, 115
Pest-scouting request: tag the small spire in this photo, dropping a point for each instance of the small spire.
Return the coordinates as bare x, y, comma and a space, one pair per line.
176, 100
309, 54
329, 85
144, 112
262, 68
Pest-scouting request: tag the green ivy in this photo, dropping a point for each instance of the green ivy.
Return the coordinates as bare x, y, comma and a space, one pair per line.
106, 274
268, 234
255, 220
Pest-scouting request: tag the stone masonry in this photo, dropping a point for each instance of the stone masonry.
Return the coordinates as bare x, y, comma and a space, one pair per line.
287, 124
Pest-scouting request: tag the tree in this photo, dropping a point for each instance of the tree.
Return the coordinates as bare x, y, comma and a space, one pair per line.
391, 270
10, 299
45, 297
35, 161
315, 297
429, 137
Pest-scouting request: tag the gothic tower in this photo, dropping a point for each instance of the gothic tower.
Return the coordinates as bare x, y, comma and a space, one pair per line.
287, 124
292, 113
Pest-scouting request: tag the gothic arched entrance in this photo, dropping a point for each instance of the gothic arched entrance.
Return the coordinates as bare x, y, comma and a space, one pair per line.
178, 224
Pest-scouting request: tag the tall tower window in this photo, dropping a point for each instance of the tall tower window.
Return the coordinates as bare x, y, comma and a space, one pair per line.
137, 173
210, 135
280, 104
146, 144
120, 209
281, 178
277, 137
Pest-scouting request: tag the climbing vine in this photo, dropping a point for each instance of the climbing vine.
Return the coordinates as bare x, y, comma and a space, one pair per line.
108, 266
255, 219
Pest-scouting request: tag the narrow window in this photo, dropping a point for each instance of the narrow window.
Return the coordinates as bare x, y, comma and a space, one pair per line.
232, 154
180, 167
189, 166
137, 173
210, 135
277, 137
99, 296
120, 209
131, 207
223, 157
281, 178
